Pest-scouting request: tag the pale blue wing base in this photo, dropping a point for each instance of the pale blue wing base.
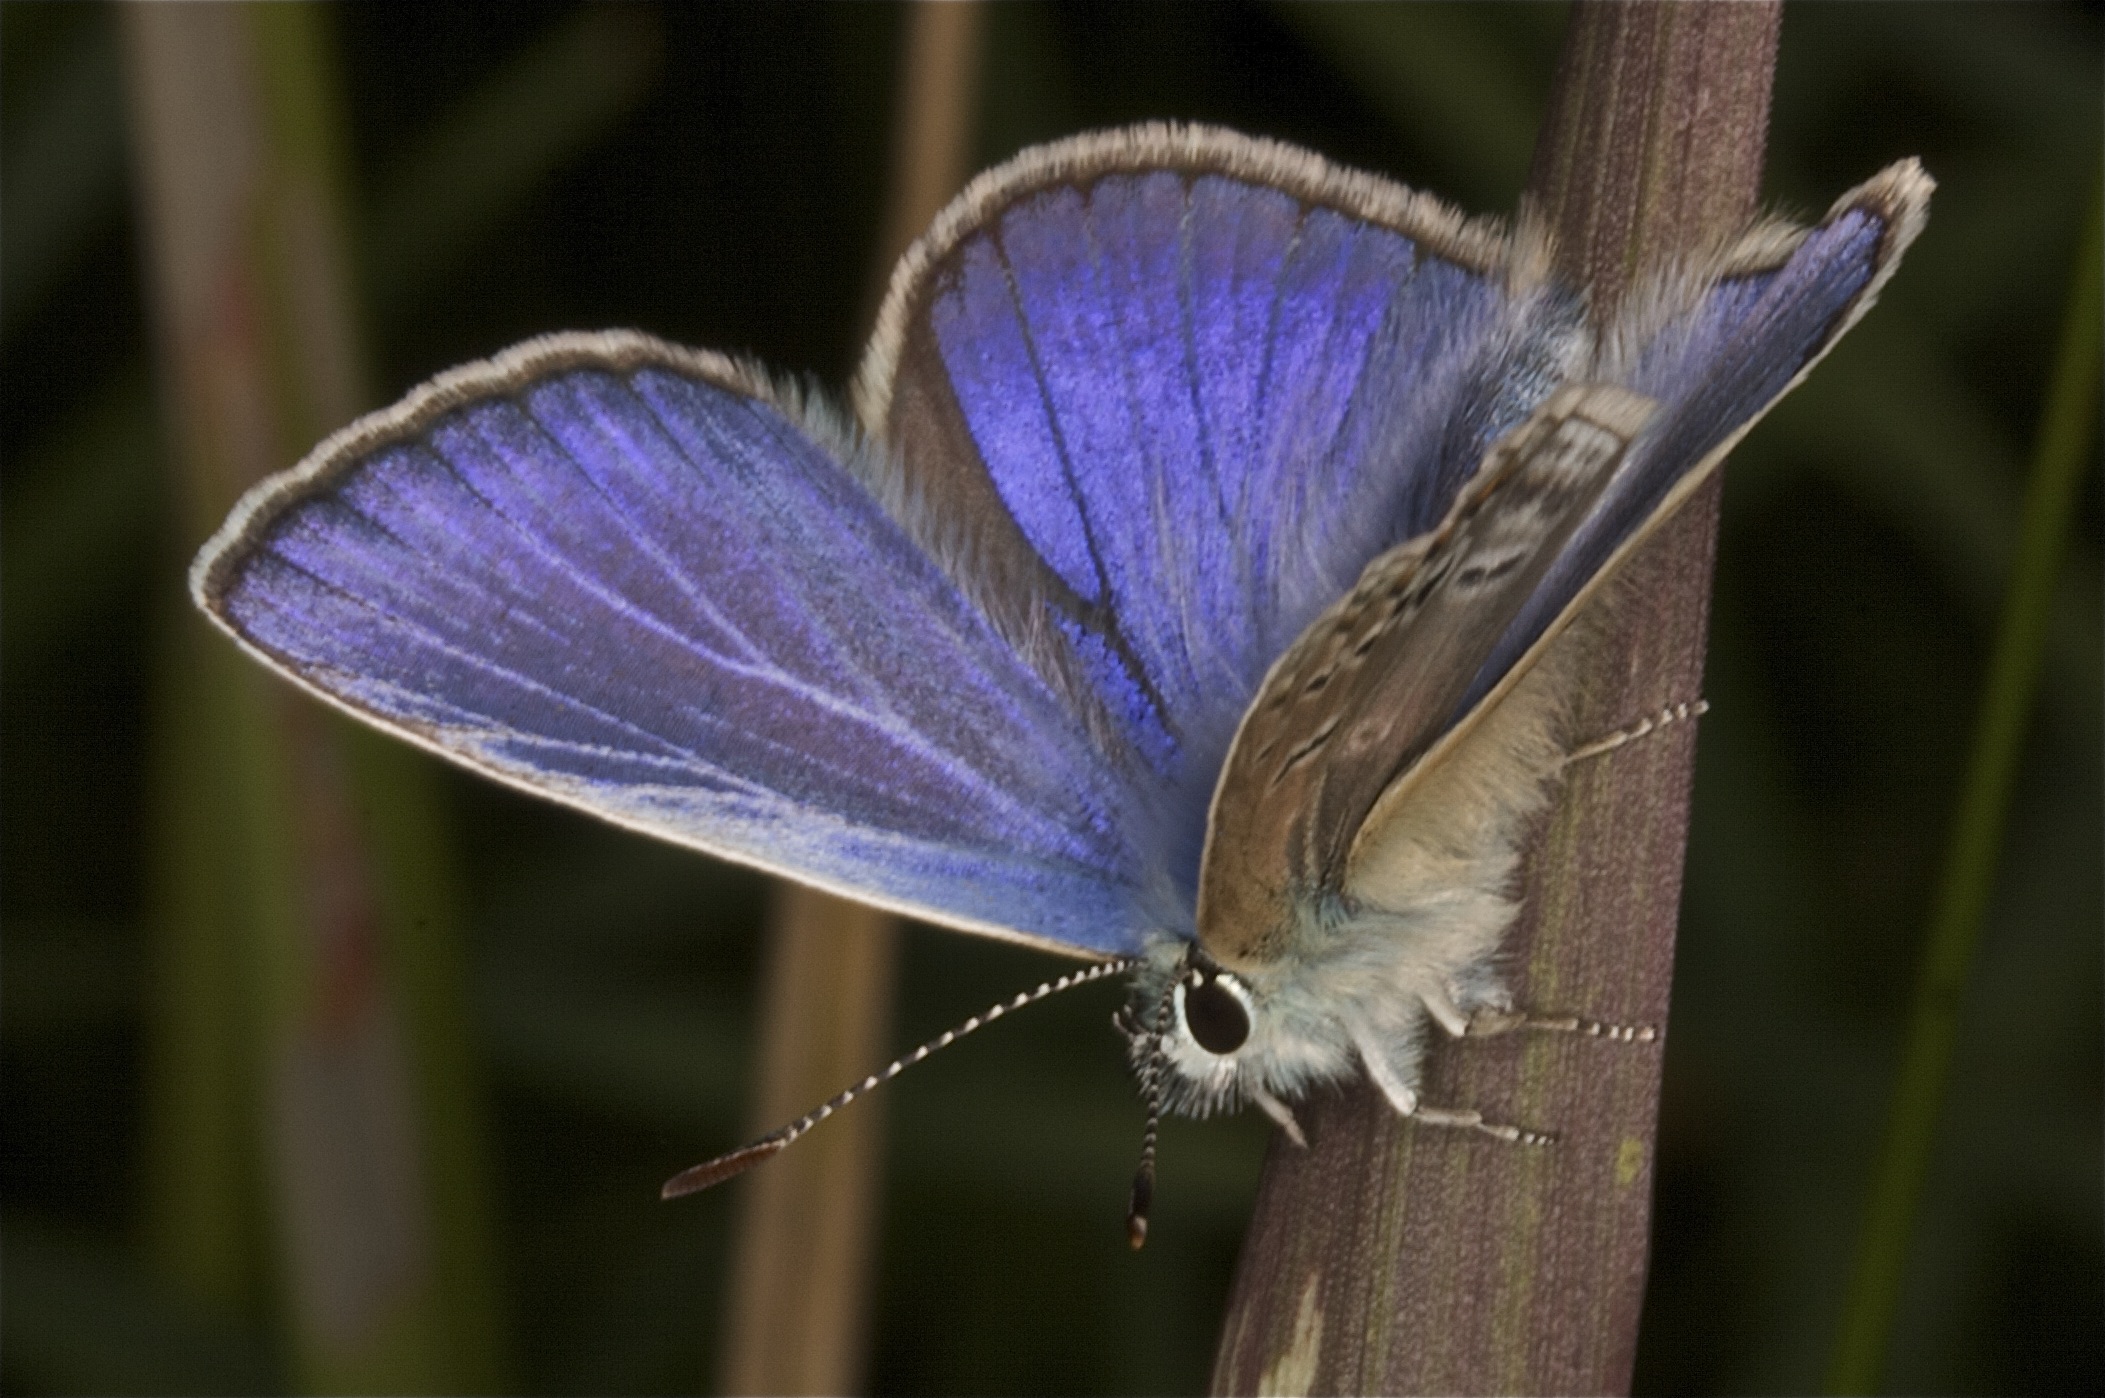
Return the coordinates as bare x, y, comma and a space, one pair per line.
618, 574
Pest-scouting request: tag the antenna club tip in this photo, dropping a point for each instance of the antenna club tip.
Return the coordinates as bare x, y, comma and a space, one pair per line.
1137, 1210
724, 1167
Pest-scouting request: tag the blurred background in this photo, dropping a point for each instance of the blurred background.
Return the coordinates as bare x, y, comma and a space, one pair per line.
567, 1012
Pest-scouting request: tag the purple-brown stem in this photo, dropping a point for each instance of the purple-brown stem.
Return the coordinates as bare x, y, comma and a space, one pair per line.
1391, 1259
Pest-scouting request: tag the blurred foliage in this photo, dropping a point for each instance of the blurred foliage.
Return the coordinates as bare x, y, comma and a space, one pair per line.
2062, 459
714, 174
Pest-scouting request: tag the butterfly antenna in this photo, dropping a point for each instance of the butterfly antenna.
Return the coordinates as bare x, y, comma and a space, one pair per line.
1153, 1078
716, 1171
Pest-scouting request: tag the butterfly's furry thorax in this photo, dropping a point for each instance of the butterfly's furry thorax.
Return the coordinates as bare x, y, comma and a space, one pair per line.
1428, 898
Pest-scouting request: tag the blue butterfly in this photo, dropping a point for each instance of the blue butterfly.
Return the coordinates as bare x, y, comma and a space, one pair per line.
1182, 596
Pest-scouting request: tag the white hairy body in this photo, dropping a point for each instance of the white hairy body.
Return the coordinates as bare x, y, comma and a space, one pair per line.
1431, 894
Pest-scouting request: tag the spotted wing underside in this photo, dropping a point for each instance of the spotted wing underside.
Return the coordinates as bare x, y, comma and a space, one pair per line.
1367, 688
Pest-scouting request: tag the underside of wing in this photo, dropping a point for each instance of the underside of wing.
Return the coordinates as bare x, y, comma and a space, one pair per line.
1717, 344
1379, 689
1185, 385
1363, 692
636, 580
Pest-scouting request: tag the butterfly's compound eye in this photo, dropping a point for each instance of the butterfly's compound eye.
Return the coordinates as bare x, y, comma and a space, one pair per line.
1217, 1012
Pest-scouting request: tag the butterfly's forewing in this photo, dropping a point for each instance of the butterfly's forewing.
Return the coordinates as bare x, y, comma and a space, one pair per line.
1190, 383
1383, 684
627, 577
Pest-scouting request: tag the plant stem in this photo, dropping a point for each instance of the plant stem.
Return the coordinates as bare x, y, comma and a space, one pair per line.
312, 1092
1392, 1259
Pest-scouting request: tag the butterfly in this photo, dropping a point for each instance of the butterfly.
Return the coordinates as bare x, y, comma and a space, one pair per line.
1182, 595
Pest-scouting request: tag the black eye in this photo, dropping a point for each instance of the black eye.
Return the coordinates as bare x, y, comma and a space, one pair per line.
1216, 1017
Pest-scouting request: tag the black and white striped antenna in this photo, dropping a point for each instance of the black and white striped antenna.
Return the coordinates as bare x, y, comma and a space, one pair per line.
1152, 1078
711, 1172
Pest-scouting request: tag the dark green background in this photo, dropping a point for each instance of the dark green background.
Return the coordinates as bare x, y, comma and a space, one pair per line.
1869, 526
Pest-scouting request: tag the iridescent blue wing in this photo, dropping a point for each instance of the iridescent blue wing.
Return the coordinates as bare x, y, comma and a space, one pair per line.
1189, 383
636, 580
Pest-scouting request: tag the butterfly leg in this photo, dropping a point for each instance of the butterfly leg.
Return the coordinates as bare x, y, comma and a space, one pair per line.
1470, 1120
1672, 713
1404, 1098
1503, 1019
1445, 1006
1495, 1015
1281, 1113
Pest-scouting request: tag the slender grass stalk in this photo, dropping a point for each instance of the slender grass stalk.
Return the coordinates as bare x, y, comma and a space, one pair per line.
77, 536
314, 1101
797, 1306
800, 1283
2059, 460
1392, 1259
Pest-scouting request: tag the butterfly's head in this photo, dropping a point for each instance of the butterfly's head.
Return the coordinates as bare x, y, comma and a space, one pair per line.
1210, 1019
1204, 1036
1193, 1023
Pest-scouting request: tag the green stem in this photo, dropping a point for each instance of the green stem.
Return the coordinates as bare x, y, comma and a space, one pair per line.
2058, 464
